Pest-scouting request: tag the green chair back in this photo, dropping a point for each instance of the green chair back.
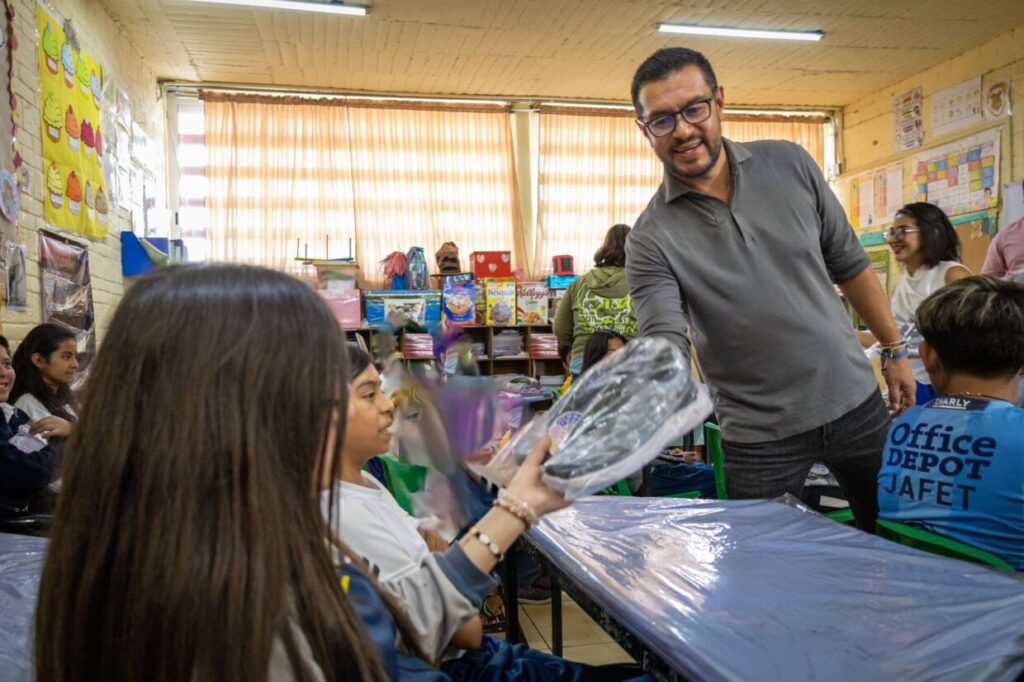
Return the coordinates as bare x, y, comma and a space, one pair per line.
713, 442
620, 488
934, 543
844, 515
403, 480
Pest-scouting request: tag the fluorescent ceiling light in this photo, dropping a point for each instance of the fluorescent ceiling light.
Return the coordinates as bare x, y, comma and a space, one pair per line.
321, 7
740, 32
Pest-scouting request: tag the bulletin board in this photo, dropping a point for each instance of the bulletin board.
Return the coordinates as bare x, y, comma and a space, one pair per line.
976, 231
75, 196
872, 198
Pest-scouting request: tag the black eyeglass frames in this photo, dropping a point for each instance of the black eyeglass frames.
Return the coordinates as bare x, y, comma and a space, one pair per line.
693, 113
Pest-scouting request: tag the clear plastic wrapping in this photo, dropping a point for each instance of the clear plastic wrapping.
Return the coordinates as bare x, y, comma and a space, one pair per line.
616, 419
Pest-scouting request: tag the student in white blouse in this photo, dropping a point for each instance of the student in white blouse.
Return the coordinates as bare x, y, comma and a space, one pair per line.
45, 363
925, 243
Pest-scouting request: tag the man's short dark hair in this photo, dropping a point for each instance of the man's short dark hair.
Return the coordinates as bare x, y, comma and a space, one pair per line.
976, 325
664, 63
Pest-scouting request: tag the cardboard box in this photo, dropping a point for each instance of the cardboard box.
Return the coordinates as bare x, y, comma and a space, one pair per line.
458, 299
500, 302
532, 303
491, 264
346, 306
480, 316
423, 307
561, 281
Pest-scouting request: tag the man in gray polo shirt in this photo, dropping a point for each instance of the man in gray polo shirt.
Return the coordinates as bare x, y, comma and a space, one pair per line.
738, 250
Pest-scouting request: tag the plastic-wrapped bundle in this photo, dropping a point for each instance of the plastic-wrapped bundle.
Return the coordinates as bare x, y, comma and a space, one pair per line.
616, 419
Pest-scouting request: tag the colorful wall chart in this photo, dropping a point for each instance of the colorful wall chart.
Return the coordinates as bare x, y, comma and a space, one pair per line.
70, 80
962, 176
872, 198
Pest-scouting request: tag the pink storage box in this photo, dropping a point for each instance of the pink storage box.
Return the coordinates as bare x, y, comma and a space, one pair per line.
346, 306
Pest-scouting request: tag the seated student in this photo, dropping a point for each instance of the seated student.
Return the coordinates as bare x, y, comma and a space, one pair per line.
565, 355
45, 363
189, 542
24, 476
601, 343
369, 521
956, 464
665, 479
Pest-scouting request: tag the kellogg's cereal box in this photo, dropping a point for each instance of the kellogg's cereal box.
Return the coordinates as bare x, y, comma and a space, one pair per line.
532, 303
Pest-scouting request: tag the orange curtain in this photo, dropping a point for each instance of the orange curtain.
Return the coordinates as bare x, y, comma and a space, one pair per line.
287, 172
596, 169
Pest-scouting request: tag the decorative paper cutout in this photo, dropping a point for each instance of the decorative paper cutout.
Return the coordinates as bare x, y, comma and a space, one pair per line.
71, 83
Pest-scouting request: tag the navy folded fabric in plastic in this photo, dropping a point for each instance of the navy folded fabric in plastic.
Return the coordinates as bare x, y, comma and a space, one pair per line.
757, 590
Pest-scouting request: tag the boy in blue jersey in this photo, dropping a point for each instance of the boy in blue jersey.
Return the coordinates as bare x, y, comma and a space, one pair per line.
955, 466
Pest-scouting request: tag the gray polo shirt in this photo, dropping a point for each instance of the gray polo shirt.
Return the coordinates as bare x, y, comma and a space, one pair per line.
752, 281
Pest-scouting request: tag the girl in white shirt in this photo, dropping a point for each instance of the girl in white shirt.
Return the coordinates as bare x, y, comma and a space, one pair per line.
369, 521
45, 364
925, 243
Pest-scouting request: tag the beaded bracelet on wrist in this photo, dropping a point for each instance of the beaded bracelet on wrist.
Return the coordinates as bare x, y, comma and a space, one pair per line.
487, 542
525, 513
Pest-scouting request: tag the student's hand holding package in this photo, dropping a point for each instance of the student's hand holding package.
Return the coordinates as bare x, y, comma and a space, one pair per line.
528, 485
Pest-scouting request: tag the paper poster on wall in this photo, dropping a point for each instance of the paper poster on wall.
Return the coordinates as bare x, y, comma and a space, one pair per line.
995, 99
962, 176
872, 198
17, 277
956, 107
67, 292
908, 128
10, 199
1013, 204
75, 192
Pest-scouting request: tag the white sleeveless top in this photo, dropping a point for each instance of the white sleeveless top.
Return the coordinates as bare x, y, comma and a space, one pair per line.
910, 291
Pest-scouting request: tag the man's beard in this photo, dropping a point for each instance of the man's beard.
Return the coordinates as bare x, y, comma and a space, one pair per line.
713, 154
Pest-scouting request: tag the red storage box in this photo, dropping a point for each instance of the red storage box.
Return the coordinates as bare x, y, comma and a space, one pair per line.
345, 305
491, 263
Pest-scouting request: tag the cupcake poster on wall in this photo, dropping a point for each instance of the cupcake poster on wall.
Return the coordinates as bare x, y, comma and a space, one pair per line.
71, 83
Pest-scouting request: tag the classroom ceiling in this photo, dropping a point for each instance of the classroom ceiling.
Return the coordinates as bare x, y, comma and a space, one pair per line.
559, 49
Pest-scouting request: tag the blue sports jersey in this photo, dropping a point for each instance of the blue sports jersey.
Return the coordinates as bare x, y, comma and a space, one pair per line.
955, 466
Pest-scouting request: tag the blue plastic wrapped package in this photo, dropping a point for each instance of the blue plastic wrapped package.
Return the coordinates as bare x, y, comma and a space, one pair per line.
617, 418
21, 568
758, 590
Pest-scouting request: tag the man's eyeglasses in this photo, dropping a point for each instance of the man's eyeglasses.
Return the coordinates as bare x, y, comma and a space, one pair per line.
693, 113
897, 234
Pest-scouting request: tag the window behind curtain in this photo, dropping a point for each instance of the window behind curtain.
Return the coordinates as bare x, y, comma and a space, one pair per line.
596, 169
192, 185
287, 172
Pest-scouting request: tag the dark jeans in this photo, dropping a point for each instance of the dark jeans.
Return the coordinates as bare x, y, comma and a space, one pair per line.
499, 661
668, 479
851, 447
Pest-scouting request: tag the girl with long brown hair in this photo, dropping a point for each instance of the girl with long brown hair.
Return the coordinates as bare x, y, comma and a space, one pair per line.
188, 541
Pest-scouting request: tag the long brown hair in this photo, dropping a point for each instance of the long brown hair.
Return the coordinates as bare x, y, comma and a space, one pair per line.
613, 251
188, 538
44, 339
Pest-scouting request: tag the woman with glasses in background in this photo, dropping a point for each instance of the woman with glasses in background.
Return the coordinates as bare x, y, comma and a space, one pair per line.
924, 242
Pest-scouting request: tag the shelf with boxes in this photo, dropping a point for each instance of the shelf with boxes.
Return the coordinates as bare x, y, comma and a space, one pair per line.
508, 322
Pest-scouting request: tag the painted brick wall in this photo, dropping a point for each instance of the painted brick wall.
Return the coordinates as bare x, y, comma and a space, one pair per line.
868, 126
110, 46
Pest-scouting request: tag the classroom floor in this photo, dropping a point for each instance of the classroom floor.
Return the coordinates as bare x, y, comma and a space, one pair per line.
583, 640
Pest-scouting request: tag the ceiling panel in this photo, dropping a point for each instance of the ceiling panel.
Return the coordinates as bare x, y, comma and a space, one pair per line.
575, 49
